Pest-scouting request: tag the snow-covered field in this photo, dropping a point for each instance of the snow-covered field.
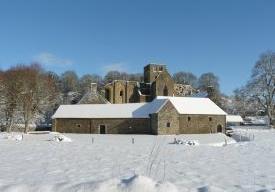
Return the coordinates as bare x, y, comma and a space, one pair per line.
118, 163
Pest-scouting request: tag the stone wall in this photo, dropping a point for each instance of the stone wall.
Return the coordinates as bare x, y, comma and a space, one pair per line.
163, 86
121, 91
166, 121
196, 124
151, 71
113, 126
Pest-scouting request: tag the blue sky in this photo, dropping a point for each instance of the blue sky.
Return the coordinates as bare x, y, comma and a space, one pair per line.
93, 36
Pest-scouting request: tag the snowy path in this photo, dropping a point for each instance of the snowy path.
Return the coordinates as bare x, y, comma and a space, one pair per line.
36, 164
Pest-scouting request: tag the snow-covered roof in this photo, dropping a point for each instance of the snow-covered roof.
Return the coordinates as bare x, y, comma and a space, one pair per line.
129, 110
234, 118
184, 105
194, 105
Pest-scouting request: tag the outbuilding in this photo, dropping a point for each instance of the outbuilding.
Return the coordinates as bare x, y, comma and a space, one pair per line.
234, 120
164, 115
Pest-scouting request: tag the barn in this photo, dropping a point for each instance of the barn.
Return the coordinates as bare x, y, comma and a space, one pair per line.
164, 115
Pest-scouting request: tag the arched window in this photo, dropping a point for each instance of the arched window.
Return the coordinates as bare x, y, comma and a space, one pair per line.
219, 128
165, 91
121, 93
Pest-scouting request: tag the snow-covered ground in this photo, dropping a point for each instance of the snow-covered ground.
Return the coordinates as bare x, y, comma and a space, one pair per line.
119, 163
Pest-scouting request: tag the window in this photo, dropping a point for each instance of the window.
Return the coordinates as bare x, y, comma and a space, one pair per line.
189, 118
78, 125
121, 93
168, 124
160, 68
210, 118
165, 91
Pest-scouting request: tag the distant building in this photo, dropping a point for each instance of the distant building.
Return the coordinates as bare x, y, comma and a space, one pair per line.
93, 97
157, 82
164, 115
233, 120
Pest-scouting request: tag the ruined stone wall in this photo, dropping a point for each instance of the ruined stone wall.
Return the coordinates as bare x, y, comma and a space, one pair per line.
196, 124
109, 92
151, 72
121, 91
163, 86
131, 92
113, 126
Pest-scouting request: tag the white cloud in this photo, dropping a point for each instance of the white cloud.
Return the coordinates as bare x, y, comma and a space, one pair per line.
47, 58
115, 67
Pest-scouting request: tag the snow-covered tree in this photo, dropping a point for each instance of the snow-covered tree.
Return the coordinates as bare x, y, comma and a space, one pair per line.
185, 78
28, 90
262, 83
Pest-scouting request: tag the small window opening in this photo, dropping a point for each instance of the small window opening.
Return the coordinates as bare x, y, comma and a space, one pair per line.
121, 93
189, 118
168, 124
210, 118
78, 125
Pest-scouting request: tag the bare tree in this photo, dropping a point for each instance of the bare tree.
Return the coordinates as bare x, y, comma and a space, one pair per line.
112, 75
207, 80
86, 80
28, 90
185, 78
69, 81
10, 91
262, 83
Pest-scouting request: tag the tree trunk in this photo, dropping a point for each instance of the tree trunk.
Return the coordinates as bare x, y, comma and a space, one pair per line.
26, 126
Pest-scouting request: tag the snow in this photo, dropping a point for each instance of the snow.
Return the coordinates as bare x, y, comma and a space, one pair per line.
12, 136
128, 110
234, 118
61, 138
184, 105
99, 163
99, 111
194, 105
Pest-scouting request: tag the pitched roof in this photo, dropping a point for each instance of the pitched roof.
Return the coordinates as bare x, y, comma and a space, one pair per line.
93, 98
184, 105
129, 110
194, 105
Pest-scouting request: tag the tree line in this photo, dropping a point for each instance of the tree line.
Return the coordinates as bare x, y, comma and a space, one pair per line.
29, 93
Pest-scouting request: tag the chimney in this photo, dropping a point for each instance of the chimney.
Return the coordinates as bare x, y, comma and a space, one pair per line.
93, 88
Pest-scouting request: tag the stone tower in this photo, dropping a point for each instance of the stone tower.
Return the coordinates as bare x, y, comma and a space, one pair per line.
151, 72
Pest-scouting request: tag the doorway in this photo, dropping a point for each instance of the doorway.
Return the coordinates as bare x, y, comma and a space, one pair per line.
102, 129
219, 129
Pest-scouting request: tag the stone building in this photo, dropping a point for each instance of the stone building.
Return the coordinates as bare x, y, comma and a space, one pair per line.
93, 96
164, 115
157, 82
